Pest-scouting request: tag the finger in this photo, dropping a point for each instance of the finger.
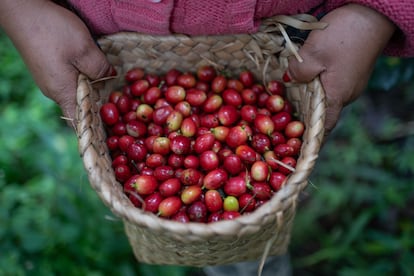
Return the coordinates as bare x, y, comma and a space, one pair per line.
335, 91
68, 106
63, 92
310, 67
332, 115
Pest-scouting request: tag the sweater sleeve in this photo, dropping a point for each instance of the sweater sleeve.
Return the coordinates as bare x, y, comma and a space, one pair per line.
400, 12
167, 16
215, 17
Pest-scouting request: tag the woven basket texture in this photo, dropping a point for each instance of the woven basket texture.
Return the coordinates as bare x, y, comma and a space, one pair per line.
267, 230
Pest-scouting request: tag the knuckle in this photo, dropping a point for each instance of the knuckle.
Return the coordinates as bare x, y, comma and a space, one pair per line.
81, 53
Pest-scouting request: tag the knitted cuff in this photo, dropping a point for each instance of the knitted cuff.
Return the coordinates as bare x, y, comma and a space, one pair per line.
399, 12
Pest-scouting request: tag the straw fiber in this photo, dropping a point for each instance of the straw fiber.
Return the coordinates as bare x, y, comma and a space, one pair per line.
160, 241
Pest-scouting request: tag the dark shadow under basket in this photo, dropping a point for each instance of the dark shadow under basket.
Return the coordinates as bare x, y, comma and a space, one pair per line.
264, 232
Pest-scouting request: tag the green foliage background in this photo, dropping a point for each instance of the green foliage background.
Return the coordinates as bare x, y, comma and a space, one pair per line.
356, 218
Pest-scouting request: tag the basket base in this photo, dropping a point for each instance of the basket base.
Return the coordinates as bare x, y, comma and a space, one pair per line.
204, 253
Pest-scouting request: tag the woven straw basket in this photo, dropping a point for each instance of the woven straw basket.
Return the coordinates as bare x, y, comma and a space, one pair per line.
264, 232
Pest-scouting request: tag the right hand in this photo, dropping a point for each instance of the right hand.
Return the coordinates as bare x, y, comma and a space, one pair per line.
56, 47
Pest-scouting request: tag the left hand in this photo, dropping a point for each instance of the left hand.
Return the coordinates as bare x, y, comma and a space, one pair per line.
343, 55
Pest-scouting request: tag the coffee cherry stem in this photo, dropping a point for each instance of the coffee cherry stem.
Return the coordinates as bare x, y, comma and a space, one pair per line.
247, 180
248, 203
280, 163
161, 84
134, 164
137, 196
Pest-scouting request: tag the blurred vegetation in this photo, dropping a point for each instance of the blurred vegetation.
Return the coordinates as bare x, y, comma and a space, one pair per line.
357, 217
359, 211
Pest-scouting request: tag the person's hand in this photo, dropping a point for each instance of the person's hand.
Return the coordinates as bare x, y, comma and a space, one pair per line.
343, 55
55, 45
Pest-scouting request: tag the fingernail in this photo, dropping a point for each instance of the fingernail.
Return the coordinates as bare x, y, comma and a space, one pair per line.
286, 77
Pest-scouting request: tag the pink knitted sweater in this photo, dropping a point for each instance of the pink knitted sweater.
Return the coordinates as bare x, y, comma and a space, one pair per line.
227, 16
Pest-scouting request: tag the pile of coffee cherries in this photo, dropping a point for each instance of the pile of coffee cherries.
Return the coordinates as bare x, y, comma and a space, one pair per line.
200, 146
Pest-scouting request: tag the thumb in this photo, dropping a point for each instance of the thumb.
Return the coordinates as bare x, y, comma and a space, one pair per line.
307, 69
93, 63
